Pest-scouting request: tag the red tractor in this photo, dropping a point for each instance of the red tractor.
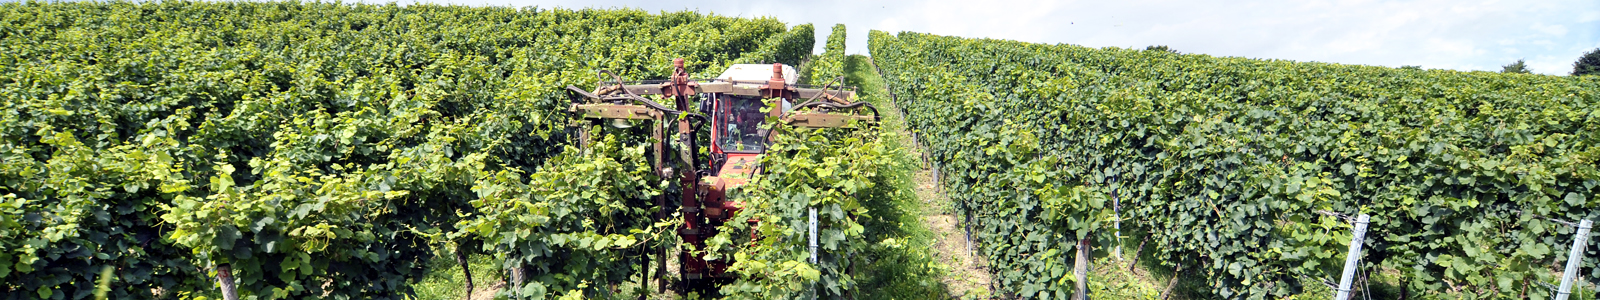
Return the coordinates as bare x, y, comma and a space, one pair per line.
731, 108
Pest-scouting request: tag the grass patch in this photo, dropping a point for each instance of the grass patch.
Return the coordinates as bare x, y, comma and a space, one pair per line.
900, 264
445, 281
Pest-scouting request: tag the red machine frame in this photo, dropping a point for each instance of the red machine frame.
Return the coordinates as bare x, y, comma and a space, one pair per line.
707, 206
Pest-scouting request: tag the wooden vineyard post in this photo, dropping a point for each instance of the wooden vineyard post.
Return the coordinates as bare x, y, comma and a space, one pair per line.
517, 278
1351, 260
225, 278
656, 131
644, 272
1080, 270
583, 137
1574, 259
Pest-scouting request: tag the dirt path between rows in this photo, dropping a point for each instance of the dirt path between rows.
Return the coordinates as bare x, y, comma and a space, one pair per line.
969, 275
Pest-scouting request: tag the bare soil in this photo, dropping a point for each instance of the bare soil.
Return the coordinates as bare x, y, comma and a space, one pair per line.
487, 292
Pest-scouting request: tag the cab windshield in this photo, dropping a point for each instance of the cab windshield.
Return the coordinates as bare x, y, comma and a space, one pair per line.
740, 118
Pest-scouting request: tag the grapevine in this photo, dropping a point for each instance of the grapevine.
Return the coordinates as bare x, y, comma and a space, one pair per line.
1225, 162
312, 149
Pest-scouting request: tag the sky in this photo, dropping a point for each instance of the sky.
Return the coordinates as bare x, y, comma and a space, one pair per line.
1435, 34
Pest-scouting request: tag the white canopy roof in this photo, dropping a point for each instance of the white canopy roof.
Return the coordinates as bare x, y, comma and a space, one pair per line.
758, 72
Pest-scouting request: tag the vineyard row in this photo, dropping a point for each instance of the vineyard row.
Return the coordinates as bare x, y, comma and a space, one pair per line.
1223, 163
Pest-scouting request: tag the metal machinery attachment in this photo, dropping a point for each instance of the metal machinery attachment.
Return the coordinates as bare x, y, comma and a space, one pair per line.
730, 106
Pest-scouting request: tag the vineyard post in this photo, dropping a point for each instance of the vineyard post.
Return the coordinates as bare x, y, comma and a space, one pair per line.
583, 137
225, 278
1353, 258
661, 208
1080, 270
1116, 212
968, 233
1574, 258
812, 232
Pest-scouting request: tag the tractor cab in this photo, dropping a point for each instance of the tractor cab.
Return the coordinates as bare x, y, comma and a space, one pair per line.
737, 136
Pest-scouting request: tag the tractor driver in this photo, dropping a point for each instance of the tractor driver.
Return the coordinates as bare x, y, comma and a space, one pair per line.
743, 130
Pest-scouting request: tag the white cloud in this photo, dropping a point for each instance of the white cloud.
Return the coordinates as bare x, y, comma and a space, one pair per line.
1589, 17
1547, 64
1556, 30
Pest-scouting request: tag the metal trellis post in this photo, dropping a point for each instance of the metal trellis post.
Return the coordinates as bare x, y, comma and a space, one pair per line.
813, 234
1574, 259
1116, 212
1353, 258
225, 279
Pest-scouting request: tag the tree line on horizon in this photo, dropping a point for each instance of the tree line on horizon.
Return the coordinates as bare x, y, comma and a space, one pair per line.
1588, 64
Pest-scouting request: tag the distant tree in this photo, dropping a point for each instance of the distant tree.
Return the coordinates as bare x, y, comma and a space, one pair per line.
1518, 67
1162, 48
1588, 64
1418, 68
